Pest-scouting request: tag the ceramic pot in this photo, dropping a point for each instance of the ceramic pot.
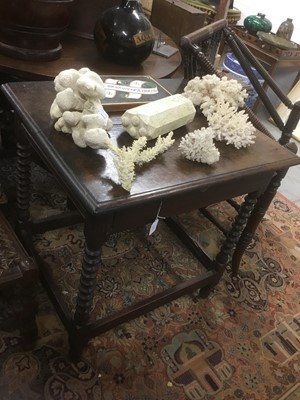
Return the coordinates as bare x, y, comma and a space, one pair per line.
124, 34
31, 29
255, 23
286, 29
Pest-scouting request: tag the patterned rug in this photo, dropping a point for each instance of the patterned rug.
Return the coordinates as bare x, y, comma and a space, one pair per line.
241, 343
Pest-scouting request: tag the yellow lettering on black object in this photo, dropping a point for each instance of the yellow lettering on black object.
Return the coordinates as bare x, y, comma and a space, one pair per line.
143, 37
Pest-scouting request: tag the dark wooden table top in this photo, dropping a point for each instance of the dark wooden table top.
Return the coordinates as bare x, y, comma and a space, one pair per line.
78, 52
90, 176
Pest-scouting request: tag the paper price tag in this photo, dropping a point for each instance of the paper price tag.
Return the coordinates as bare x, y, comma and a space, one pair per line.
103, 114
153, 226
155, 223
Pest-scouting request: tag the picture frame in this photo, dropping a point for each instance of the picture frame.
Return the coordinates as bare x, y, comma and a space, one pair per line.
124, 92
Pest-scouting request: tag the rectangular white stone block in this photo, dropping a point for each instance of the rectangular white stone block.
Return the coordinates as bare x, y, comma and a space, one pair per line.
158, 117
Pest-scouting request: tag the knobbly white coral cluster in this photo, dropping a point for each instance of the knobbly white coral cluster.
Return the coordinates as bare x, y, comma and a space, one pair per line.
77, 107
199, 146
219, 100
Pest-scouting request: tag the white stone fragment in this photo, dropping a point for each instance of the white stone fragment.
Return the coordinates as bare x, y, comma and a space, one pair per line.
158, 117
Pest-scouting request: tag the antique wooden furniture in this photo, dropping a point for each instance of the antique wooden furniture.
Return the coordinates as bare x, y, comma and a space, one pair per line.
265, 58
176, 18
200, 48
184, 18
222, 9
31, 29
199, 51
270, 56
170, 183
213, 8
78, 52
18, 276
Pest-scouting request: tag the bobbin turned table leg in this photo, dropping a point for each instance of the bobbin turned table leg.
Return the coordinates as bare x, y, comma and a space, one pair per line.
95, 237
224, 256
23, 223
256, 217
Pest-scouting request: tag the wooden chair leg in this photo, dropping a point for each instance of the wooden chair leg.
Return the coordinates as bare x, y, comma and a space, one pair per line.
17, 280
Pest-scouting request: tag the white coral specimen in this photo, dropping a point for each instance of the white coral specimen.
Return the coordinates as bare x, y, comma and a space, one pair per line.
126, 157
219, 100
161, 145
199, 146
232, 126
209, 90
77, 107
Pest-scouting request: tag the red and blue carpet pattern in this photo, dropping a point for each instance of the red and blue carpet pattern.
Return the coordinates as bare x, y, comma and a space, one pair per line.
241, 343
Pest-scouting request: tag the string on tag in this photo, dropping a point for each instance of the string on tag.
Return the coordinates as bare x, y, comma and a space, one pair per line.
156, 221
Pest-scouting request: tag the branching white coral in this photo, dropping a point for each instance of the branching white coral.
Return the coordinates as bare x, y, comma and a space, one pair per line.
232, 126
219, 100
199, 146
126, 157
162, 144
209, 90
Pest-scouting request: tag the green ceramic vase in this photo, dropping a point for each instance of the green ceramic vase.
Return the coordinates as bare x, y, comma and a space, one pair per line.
255, 23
